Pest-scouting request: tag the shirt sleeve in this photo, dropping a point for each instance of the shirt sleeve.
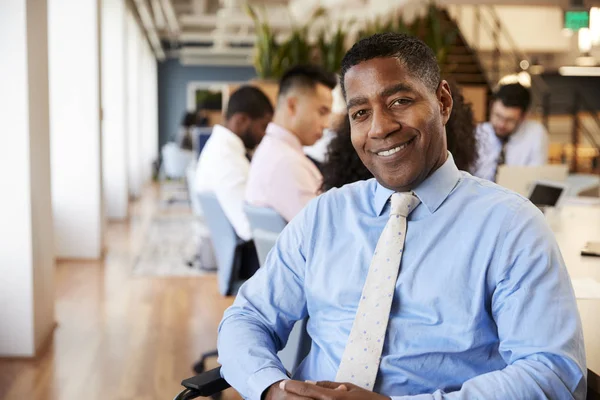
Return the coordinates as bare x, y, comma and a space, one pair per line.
539, 153
292, 187
231, 178
539, 328
259, 322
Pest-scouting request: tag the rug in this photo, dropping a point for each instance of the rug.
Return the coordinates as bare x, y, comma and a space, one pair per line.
175, 245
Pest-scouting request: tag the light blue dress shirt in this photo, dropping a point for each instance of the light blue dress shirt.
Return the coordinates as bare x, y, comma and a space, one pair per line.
527, 146
483, 307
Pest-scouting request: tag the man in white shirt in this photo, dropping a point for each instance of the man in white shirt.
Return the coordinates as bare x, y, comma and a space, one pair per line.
509, 138
282, 177
223, 165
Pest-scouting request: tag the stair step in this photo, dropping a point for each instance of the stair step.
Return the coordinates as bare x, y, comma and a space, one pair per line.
460, 50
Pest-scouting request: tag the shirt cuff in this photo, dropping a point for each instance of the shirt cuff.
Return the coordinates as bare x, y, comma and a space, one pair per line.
261, 380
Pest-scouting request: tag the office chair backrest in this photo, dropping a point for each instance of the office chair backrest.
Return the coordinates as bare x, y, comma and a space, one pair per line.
191, 185
266, 224
175, 160
224, 239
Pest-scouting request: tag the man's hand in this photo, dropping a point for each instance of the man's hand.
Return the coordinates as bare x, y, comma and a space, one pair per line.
275, 392
328, 391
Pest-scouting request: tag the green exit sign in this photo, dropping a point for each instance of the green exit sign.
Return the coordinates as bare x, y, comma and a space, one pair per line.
575, 20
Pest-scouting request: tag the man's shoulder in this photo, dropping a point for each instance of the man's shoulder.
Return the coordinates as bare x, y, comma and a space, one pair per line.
269, 152
479, 192
357, 195
484, 128
533, 128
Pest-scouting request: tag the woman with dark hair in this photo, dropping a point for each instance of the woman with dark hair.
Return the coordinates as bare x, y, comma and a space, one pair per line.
342, 164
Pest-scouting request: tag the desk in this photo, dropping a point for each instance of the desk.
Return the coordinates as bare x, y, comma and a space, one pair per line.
573, 226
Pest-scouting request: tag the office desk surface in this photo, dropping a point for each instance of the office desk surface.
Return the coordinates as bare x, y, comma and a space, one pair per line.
573, 226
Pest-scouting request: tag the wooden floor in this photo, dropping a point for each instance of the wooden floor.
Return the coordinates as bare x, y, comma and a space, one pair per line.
120, 337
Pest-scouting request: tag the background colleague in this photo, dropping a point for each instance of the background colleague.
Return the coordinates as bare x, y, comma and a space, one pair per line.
282, 177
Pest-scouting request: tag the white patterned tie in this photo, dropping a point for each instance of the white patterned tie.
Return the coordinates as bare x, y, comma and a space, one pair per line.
362, 355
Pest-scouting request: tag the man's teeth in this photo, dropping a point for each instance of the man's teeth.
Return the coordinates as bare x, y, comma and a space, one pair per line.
392, 151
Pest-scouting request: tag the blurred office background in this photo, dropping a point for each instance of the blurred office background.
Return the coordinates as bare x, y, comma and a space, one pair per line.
101, 291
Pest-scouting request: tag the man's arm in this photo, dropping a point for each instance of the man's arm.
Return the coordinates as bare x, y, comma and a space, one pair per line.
230, 187
539, 152
258, 324
535, 310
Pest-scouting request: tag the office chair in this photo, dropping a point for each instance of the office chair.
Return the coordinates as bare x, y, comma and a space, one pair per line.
236, 259
266, 225
175, 160
207, 384
203, 256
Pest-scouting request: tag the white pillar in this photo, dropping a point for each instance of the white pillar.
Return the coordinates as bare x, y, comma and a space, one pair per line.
114, 107
150, 111
133, 106
74, 47
26, 234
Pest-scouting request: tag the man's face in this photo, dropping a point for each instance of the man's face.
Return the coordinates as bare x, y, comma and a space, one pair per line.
505, 120
309, 113
397, 122
256, 131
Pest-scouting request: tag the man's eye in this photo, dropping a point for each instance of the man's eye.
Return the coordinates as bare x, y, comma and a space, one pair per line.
402, 102
359, 114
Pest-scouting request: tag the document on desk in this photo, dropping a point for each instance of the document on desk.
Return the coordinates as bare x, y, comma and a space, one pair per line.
586, 288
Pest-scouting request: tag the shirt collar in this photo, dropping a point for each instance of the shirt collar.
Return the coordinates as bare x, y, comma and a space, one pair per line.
224, 132
231, 138
280, 133
432, 191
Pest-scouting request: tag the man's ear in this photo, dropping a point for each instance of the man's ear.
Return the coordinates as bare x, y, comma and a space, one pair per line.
291, 102
444, 96
239, 122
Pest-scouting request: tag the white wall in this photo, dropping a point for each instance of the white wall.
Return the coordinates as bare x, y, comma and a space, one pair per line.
75, 127
26, 234
534, 29
114, 107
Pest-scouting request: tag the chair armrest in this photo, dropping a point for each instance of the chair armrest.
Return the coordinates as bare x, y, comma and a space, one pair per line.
205, 384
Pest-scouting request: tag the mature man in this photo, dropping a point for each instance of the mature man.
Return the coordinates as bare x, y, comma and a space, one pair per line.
281, 176
223, 165
509, 138
423, 283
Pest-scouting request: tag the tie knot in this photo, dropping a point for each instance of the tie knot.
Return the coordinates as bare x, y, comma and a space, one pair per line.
403, 204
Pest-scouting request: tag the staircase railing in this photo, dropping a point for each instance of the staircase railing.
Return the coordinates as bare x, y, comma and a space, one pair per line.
582, 108
509, 59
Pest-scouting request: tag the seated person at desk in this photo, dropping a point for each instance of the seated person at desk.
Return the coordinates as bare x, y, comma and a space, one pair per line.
509, 137
223, 164
343, 165
282, 177
422, 283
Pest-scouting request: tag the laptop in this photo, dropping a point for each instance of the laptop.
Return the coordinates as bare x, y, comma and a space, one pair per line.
520, 179
547, 194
